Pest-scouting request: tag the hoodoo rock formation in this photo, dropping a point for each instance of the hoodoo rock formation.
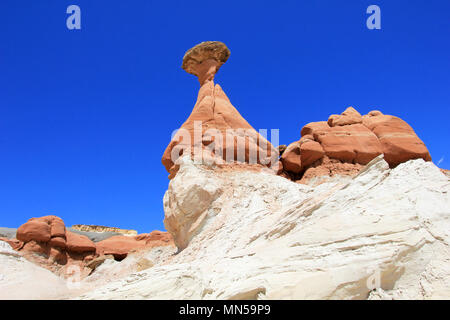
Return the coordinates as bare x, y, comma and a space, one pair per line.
47, 242
363, 214
215, 132
346, 142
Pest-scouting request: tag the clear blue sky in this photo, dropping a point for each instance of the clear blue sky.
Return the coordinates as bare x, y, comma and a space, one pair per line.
85, 115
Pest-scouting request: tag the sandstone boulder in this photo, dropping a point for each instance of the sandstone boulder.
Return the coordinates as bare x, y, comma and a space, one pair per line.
310, 151
121, 246
215, 132
314, 127
46, 242
350, 143
58, 228
398, 140
42, 229
79, 243
349, 116
205, 59
34, 230
186, 203
291, 158
349, 140
59, 242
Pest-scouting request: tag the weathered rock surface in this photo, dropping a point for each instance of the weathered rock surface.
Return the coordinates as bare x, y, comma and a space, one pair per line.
205, 59
215, 131
367, 217
46, 242
351, 140
291, 158
398, 140
352, 143
120, 246
22, 279
265, 237
348, 117
187, 205
34, 230
79, 243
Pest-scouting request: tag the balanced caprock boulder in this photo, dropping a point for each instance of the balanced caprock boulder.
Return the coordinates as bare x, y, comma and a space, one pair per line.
215, 132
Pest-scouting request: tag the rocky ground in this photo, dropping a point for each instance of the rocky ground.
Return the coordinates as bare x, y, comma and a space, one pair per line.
383, 234
262, 236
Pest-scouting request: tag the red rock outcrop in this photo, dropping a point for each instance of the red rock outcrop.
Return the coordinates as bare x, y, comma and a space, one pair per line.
350, 143
120, 246
215, 132
398, 140
349, 116
291, 158
45, 241
346, 142
34, 230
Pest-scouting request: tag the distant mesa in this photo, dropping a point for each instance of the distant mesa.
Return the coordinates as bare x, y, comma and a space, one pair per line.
94, 228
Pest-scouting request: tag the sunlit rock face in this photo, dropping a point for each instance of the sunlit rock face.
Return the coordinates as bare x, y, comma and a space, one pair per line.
346, 142
382, 234
363, 214
47, 242
215, 132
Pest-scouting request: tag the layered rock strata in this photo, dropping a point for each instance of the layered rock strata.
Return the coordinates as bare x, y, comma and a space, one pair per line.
383, 233
346, 142
46, 242
215, 132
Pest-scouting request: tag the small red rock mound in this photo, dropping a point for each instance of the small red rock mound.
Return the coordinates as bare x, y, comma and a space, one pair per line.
215, 132
45, 241
346, 142
120, 246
